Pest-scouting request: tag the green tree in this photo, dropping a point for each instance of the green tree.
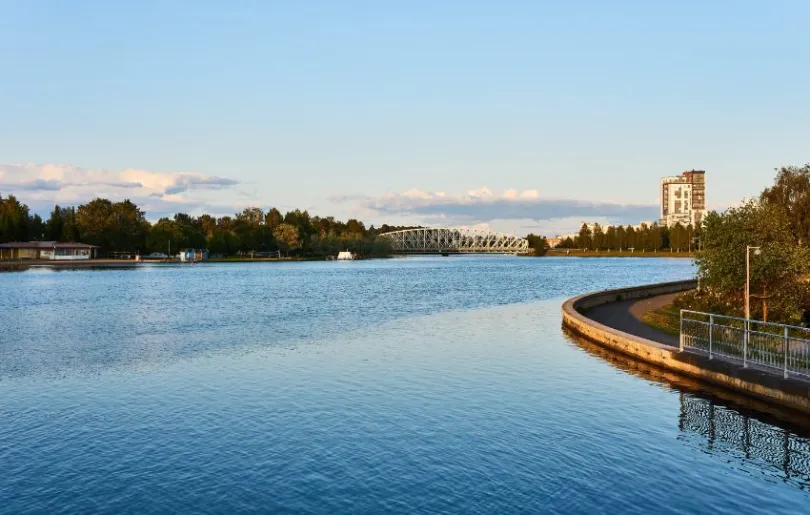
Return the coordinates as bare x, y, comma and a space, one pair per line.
643, 237
273, 218
36, 229
777, 275
631, 237
584, 239
70, 231
791, 191
355, 229
13, 219
166, 236
621, 238
677, 237
252, 216
656, 241
611, 240
208, 225
287, 236
538, 244
119, 226
55, 225
666, 235
598, 237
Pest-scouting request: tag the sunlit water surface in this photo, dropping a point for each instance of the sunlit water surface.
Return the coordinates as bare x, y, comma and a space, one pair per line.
418, 385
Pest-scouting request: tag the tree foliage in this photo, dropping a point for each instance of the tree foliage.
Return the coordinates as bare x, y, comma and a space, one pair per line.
538, 244
122, 226
778, 272
646, 238
14, 220
791, 191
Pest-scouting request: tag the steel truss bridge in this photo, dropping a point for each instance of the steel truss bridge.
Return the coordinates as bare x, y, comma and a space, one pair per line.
449, 241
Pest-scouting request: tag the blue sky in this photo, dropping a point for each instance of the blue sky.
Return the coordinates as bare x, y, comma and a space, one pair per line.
401, 111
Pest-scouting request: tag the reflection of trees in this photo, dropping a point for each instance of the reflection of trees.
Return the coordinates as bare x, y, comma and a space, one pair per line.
741, 436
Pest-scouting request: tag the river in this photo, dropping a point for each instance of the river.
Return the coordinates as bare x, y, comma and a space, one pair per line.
416, 385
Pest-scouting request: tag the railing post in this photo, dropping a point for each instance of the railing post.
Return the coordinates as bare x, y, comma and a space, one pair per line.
745, 344
787, 348
681, 330
711, 327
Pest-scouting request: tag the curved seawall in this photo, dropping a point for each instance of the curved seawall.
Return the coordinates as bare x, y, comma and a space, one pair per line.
792, 393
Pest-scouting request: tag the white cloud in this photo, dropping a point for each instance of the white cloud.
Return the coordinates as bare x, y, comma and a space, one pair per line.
43, 185
415, 193
530, 194
512, 208
483, 192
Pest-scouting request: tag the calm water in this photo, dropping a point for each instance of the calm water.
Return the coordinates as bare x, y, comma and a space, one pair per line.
419, 385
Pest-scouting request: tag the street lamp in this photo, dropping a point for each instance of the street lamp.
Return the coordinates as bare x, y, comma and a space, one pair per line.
757, 252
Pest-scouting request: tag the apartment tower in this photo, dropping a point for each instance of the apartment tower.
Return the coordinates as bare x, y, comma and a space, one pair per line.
683, 199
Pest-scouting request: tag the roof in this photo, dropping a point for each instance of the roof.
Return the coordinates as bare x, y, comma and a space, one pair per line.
46, 245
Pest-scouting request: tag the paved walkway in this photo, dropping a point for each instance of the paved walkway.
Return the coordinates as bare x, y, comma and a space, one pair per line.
626, 316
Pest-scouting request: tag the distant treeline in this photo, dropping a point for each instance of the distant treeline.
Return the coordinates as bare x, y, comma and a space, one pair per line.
122, 227
653, 237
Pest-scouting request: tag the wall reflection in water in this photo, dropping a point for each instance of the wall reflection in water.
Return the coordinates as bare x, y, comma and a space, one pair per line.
759, 437
718, 429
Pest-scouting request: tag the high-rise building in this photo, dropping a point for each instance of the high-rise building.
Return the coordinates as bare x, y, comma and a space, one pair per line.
683, 199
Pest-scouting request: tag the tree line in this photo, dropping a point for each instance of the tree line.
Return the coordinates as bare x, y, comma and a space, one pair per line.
650, 238
123, 227
778, 222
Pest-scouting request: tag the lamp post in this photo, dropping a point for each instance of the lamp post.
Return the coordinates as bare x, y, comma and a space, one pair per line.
757, 252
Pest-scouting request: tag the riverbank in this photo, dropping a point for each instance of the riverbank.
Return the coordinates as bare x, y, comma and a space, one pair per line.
613, 319
616, 253
28, 263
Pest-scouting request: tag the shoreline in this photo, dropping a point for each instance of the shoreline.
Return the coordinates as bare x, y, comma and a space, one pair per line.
131, 263
127, 263
614, 329
597, 254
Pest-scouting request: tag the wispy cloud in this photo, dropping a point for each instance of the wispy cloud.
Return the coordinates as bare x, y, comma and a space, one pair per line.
482, 205
43, 185
39, 185
187, 182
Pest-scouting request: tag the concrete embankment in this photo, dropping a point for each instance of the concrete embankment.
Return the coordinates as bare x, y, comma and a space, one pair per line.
618, 328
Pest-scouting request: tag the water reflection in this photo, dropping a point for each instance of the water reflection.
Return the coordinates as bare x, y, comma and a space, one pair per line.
760, 438
722, 431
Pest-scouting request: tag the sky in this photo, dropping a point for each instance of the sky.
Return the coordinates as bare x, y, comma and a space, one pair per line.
521, 116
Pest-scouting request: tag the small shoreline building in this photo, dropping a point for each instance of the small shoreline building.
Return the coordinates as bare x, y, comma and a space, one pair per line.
193, 255
47, 250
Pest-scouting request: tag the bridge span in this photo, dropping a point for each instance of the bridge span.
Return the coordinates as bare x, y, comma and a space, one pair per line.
450, 240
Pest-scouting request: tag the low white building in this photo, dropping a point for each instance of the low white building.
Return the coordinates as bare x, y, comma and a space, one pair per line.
50, 250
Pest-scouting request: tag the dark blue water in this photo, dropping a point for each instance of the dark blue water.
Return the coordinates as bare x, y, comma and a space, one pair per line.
419, 385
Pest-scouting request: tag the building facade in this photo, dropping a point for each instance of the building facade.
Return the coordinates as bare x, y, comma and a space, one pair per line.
193, 255
683, 199
50, 250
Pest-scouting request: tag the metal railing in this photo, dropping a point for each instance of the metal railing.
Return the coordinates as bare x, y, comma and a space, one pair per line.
765, 344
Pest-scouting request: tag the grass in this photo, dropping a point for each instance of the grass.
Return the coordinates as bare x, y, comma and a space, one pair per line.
666, 319
615, 253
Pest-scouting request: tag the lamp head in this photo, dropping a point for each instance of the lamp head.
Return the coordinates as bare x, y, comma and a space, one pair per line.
757, 251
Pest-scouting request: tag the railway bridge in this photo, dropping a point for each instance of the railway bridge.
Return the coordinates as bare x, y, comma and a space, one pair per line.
450, 240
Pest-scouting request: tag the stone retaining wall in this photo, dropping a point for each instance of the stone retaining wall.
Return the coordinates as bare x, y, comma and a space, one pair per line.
792, 393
